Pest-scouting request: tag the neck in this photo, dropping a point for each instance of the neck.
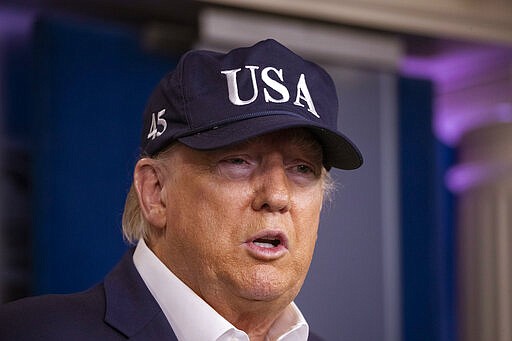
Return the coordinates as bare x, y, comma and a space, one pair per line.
254, 318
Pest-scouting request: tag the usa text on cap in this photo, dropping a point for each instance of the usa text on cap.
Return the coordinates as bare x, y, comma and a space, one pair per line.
212, 100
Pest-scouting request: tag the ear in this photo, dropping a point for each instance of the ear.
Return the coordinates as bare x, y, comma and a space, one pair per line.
150, 191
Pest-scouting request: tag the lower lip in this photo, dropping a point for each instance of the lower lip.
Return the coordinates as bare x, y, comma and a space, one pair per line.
264, 253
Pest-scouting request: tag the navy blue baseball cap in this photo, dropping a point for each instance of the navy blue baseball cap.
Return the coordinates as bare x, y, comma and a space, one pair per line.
213, 100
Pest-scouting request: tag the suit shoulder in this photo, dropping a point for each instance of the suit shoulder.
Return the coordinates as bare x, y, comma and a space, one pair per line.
42, 306
49, 313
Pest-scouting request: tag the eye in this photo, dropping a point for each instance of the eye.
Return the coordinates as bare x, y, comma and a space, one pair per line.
303, 172
235, 168
236, 161
304, 169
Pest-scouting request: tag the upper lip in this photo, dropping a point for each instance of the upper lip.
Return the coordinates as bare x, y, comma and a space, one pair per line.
271, 236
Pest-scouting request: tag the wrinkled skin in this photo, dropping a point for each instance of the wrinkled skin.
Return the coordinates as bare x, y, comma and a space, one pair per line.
210, 206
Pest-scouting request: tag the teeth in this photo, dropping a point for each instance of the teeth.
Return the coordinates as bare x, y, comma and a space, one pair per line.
265, 245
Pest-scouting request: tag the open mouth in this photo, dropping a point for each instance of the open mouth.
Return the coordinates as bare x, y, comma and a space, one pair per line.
267, 243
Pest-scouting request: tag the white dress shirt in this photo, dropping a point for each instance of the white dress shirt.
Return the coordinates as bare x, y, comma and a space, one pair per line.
192, 319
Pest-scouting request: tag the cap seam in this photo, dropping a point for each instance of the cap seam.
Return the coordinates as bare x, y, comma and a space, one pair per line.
243, 117
183, 91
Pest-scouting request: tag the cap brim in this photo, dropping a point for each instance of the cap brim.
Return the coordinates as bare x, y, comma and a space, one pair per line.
339, 151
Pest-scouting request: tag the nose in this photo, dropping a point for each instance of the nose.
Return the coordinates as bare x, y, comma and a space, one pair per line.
272, 192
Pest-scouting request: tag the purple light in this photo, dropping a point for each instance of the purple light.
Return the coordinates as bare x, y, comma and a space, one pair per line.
14, 21
466, 176
462, 177
452, 120
473, 85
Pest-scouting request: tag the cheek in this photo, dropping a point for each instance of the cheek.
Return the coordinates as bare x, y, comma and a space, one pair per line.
206, 217
306, 239
306, 226
307, 208
196, 200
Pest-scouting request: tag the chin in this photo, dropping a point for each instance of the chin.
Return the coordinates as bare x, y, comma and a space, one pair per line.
265, 285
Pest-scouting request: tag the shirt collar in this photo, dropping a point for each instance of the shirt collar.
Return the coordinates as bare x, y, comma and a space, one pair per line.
187, 312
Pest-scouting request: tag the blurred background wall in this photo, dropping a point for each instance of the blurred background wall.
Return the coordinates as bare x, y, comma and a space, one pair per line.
416, 245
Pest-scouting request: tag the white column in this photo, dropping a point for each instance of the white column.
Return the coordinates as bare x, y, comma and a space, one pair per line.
483, 181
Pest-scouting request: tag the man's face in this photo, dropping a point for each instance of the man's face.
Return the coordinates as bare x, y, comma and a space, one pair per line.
241, 222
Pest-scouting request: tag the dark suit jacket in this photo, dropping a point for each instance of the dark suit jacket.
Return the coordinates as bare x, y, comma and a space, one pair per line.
120, 308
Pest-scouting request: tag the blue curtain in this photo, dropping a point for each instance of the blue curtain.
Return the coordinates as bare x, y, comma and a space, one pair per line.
91, 83
427, 220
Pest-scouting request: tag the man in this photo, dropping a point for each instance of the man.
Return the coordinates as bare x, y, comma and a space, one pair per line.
224, 208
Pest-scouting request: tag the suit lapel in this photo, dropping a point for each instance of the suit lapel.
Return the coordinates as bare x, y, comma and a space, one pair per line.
130, 307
